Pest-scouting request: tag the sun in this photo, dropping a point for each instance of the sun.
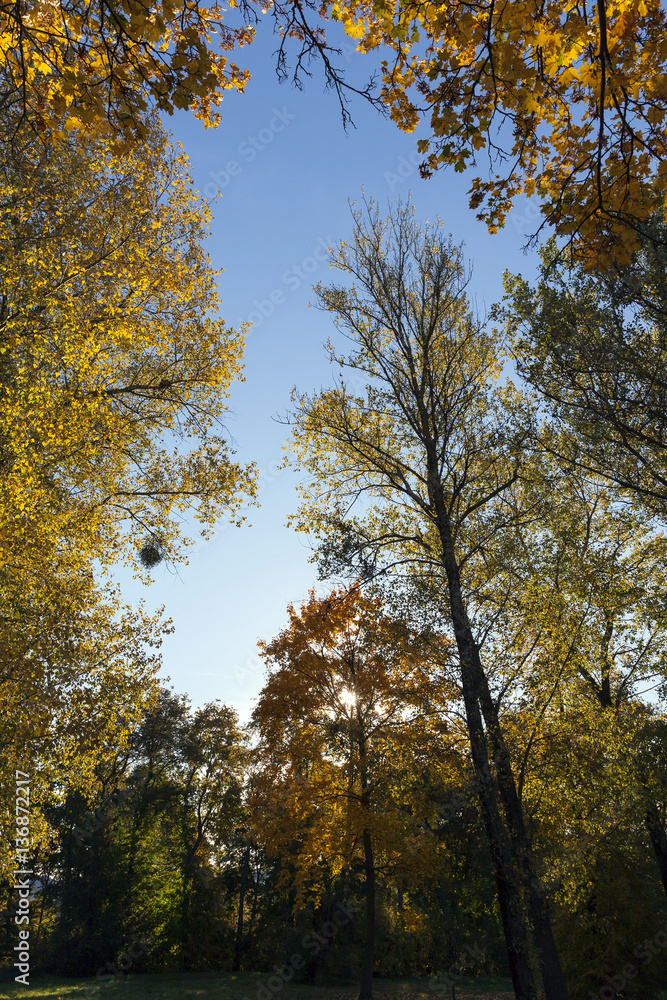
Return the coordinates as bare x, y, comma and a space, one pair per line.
347, 697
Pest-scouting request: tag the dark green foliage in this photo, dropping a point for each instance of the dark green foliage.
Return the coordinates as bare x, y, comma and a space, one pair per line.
142, 875
151, 553
594, 346
615, 936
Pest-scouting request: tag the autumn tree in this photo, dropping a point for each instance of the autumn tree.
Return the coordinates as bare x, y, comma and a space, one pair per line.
563, 102
70, 66
76, 670
113, 376
593, 629
581, 792
347, 720
570, 606
566, 103
593, 347
431, 442
116, 367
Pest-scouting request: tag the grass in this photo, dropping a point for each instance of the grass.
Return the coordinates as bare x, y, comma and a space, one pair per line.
237, 986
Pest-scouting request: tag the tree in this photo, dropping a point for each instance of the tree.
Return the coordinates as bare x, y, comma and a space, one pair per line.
146, 864
213, 764
572, 610
593, 347
109, 347
566, 103
113, 378
432, 443
73, 64
76, 670
585, 625
68, 65
346, 720
609, 567
581, 793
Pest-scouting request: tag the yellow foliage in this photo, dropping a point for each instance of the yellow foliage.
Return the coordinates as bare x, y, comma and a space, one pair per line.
75, 63
76, 670
114, 371
569, 100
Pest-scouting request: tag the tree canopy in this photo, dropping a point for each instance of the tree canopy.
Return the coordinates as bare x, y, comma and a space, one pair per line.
565, 103
115, 365
348, 723
114, 370
592, 346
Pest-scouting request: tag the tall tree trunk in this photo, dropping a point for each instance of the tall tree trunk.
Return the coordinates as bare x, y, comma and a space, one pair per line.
513, 861
658, 835
366, 989
512, 910
185, 940
553, 979
239, 923
253, 908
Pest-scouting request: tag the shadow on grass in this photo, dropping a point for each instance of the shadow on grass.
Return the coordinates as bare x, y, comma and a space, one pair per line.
238, 986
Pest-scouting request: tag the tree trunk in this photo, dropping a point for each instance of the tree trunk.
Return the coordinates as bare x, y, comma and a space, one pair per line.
553, 979
656, 830
512, 912
239, 923
366, 989
512, 861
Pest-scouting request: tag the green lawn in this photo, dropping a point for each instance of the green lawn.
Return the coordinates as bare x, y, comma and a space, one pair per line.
237, 986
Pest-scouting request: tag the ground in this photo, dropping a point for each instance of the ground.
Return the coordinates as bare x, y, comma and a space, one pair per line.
241, 986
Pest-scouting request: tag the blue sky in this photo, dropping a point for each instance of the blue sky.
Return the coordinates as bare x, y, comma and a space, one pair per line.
286, 169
